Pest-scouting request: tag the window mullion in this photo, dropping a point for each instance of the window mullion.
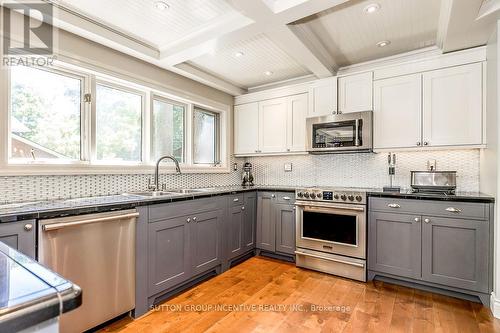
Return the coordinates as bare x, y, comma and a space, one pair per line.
92, 120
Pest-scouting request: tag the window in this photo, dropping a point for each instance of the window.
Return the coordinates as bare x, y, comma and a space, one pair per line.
205, 137
167, 129
45, 118
118, 125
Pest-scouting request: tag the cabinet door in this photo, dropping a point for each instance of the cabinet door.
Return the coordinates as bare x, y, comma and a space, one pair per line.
452, 109
296, 122
19, 236
235, 231
169, 253
266, 227
355, 93
246, 128
323, 97
249, 221
397, 112
455, 252
205, 236
285, 228
272, 125
394, 244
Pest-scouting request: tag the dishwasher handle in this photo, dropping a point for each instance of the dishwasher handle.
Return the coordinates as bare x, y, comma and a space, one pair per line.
55, 226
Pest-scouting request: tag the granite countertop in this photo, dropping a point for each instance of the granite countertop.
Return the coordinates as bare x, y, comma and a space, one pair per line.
31, 294
458, 196
65, 207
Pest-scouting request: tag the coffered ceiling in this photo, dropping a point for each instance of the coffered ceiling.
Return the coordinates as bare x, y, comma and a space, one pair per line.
234, 45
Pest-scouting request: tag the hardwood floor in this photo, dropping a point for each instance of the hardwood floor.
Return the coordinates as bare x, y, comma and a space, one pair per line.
354, 306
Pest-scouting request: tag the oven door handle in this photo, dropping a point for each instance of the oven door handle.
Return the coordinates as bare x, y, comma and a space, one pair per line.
356, 142
326, 208
329, 259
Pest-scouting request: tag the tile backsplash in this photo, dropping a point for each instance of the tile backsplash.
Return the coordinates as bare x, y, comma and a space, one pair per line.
354, 170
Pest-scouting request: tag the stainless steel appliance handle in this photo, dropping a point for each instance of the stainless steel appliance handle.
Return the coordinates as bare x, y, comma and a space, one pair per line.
356, 142
315, 206
329, 259
55, 226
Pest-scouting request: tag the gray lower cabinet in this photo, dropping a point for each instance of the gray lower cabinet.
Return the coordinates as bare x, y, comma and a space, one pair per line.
240, 230
285, 228
185, 242
455, 252
276, 222
235, 231
249, 221
438, 243
20, 236
394, 244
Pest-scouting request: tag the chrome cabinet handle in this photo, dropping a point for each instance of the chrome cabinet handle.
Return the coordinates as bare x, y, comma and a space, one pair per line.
195, 219
273, 195
418, 143
236, 200
417, 219
28, 227
243, 208
393, 205
453, 210
426, 143
427, 220
188, 220
287, 198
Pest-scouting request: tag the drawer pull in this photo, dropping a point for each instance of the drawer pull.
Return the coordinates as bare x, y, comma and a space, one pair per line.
236, 200
427, 220
28, 227
453, 210
287, 198
393, 205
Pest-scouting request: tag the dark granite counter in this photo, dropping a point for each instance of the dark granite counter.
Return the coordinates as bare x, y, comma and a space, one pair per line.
58, 208
458, 196
31, 294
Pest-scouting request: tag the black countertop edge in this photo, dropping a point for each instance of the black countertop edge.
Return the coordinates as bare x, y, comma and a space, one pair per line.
62, 208
463, 197
48, 295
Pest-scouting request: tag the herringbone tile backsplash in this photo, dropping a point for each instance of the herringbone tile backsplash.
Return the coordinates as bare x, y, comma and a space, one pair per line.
352, 170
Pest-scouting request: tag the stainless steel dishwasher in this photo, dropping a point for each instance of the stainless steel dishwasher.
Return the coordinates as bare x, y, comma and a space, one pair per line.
97, 252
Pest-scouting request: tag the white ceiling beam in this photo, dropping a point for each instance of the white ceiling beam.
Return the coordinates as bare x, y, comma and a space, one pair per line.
306, 9
443, 23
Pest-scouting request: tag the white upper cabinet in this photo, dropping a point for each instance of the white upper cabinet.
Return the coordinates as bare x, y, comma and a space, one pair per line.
296, 122
246, 128
355, 93
273, 125
323, 97
452, 107
397, 112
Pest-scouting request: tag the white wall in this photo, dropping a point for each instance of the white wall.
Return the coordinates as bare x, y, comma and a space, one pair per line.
489, 180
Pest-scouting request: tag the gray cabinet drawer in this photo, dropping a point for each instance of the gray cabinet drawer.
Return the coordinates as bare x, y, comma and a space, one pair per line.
20, 236
237, 199
170, 210
469, 210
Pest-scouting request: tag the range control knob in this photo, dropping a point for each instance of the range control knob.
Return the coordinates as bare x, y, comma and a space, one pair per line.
343, 197
351, 197
359, 198
299, 194
313, 195
336, 196
319, 195
306, 194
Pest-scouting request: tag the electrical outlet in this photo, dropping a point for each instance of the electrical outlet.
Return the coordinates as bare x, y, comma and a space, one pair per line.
431, 165
288, 167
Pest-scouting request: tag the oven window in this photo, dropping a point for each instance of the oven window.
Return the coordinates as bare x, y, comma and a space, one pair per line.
330, 227
336, 134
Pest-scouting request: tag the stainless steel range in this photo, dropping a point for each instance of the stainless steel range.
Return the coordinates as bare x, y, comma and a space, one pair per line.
331, 231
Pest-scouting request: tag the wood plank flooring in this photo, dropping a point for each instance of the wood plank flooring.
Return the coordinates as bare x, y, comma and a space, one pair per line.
266, 295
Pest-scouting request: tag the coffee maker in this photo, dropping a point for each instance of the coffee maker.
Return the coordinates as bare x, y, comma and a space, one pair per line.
247, 176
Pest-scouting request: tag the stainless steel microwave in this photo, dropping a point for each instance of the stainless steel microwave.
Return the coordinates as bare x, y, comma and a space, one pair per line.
340, 133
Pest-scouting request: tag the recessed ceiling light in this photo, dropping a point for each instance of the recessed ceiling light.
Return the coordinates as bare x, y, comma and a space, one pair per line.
268, 73
161, 5
372, 8
239, 54
383, 43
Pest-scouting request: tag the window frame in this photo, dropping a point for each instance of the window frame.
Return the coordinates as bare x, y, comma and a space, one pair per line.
84, 120
149, 89
159, 97
217, 139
